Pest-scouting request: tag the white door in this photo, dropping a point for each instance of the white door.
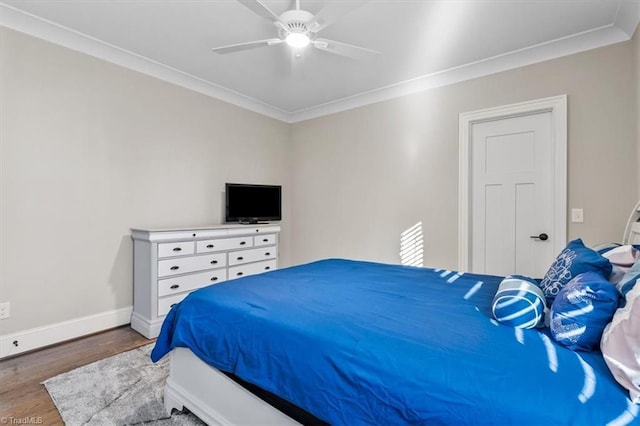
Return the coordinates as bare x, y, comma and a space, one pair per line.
512, 187
511, 227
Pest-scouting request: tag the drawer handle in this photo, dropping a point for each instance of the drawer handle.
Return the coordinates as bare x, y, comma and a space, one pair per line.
267, 267
213, 262
267, 254
240, 274
240, 258
214, 279
172, 305
177, 249
265, 240
173, 287
210, 245
174, 268
243, 243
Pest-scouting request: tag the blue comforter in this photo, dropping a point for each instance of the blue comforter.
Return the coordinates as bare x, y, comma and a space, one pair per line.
366, 343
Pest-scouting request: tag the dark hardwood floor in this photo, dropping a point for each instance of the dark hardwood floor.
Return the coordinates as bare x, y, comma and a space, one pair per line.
23, 398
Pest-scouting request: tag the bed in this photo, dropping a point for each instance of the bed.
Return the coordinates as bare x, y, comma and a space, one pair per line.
355, 342
632, 230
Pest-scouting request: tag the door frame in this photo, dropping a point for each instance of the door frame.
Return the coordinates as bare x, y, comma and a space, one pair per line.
557, 106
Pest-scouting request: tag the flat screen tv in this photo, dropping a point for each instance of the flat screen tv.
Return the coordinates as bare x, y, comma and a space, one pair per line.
253, 203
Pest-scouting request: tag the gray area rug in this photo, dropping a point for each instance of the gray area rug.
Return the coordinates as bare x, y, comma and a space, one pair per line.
125, 389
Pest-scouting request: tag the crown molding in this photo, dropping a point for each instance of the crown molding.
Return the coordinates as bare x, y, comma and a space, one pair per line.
598, 37
628, 16
626, 22
27, 23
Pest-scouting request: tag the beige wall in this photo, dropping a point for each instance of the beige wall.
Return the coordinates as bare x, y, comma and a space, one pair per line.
89, 149
361, 177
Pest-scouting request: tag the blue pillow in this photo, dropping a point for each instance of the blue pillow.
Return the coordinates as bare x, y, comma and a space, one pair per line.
582, 310
519, 303
575, 259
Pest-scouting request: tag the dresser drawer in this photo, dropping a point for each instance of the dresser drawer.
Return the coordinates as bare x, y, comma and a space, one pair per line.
182, 283
264, 240
165, 304
206, 246
252, 269
248, 229
191, 264
253, 255
175, 249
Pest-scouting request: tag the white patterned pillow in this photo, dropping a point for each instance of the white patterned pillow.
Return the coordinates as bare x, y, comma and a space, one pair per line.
620, 344
622, 258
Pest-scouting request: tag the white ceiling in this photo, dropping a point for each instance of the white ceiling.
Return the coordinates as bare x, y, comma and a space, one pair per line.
422, 43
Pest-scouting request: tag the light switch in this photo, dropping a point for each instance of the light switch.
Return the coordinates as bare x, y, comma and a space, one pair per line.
577, 215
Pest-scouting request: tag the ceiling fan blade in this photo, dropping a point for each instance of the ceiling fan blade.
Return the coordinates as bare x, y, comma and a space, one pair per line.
248, 45
333, 11
343, 49
260, 9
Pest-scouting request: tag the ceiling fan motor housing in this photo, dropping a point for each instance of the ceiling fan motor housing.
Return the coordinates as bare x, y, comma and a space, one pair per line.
296, 21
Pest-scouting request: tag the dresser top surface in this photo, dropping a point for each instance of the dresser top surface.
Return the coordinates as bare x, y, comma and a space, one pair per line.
207, 227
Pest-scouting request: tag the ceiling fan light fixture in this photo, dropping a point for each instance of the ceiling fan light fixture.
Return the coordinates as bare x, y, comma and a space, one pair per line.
297, 39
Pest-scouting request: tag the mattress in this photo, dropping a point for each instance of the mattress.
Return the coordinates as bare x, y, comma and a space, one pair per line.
356, 342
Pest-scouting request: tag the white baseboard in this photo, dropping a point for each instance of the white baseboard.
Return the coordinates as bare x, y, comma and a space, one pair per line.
34, 338
149, 329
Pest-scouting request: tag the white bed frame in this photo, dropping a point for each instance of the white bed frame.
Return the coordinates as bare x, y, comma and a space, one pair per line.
218, 400
632, 230
214, 397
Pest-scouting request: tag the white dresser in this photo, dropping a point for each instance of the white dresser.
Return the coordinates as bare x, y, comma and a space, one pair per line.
170, 263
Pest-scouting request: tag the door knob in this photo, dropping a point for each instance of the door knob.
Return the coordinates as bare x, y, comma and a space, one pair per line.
542, 237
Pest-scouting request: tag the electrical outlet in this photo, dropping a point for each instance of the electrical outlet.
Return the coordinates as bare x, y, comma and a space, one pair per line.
5, 310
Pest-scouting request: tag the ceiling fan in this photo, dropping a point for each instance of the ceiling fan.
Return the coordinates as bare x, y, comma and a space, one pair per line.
299, 28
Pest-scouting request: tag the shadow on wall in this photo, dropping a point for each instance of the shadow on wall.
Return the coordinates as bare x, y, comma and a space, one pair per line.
121, 276
411, 247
